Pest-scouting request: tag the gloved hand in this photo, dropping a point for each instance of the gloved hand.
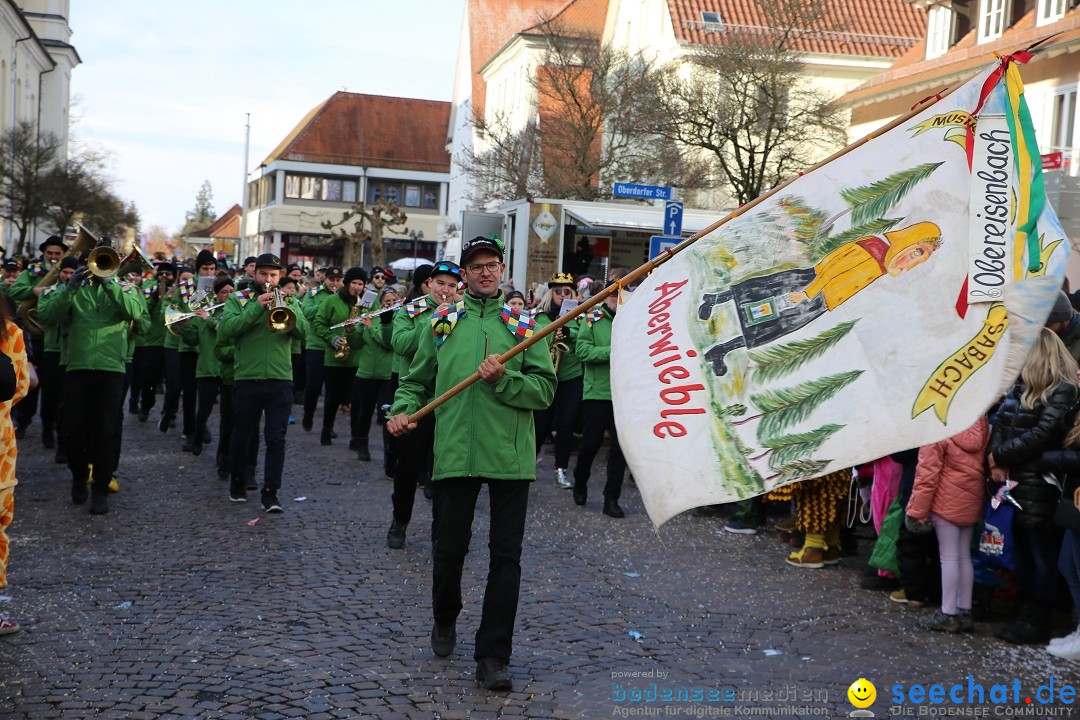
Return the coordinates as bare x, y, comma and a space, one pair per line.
77, 278
919, 527
387, 318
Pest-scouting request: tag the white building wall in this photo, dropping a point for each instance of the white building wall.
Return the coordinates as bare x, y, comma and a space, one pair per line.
459, 142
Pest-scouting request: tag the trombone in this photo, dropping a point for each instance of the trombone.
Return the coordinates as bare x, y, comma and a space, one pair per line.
104, 262
353, 321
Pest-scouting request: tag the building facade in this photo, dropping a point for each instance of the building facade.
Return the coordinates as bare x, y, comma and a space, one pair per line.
352, 148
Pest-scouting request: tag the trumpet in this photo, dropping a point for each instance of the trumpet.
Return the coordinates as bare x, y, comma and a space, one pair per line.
280, 318
176, 315
354, 320
343, 350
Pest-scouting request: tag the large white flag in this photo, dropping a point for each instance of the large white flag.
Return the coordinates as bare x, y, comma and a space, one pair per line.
879, 303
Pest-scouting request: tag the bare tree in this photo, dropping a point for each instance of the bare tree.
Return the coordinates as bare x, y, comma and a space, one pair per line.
26, 158
371, 223
75, 186
747, 105
584, 130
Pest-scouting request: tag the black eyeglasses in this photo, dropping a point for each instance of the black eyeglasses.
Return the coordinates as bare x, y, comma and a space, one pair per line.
562, 291
491, 267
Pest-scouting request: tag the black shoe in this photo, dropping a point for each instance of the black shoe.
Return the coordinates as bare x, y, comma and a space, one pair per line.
207, 438
48, 441
133, 409
164, 423
99, 505
333, 434
612, 509
443, 639
236, 491
580, 496
189, 445
362, 451
325, 438
270, 502
352, 443
249, 479
429, 492
144, 415
79, 491
223, 473
196, 448
395, 536
493, 674
307, 424
1023, 633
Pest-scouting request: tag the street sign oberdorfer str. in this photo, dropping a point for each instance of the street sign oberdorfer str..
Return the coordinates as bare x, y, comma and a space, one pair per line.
641, 192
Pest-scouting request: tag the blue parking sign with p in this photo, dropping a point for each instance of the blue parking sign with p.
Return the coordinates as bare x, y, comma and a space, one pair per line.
661, 243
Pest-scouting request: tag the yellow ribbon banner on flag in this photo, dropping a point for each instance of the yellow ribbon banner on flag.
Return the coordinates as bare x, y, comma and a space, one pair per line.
950, 376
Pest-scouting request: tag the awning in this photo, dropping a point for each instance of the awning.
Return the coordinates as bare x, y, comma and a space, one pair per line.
634, 218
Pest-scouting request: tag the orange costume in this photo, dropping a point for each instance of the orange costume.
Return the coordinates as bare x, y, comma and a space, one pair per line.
11, 344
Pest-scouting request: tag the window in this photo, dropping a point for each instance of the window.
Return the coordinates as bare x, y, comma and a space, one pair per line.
1063, 127
392, 193
992, 19
712, 20
1049, 11
292, 186
939, 31
331, 190
309, 187
431, 198
412, 196
348, 191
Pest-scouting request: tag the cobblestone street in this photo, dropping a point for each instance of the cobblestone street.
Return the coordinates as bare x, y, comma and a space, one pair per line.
176, 605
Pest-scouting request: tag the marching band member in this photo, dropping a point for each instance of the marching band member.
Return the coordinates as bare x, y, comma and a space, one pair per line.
316, 348
338, 359
205, 267
202, 330
375, 356
97, 314
466, 337
150, 344
563, 411
263, 377
175, 298
51, 372
290, 287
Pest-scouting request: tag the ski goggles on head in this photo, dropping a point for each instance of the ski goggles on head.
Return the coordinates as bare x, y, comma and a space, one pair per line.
447, 267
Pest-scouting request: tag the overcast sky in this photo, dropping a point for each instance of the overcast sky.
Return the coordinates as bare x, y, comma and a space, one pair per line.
164, 85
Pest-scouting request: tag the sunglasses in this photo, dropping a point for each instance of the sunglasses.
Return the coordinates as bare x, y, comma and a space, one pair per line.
562, 291
378, 277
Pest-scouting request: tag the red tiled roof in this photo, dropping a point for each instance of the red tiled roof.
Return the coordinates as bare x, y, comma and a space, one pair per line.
966, 57
492, 23
388, 132
580, 16
875, 28
226, 226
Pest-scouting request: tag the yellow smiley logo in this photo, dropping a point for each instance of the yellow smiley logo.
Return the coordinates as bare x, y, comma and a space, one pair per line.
862, 693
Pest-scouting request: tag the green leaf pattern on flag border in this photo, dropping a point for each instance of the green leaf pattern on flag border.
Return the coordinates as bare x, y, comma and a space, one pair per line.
798, 470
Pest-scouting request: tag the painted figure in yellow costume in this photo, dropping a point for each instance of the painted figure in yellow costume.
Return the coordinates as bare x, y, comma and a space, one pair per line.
772, 306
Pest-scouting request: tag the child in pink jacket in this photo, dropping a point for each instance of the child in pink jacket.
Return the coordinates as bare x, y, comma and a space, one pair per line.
949, 492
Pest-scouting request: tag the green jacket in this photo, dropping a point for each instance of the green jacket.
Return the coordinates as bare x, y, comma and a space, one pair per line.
97, 317
183, 344
225, 352
23, 287
486, 430
260, 354
332, 311
594, 350
313, 300
405, 335
569, 364
204, 334
154, 335
134, 328
375, 354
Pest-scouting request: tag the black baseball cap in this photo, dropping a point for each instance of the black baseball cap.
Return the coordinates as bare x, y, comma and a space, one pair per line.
480, 242
11, 264
269, 260
446, 267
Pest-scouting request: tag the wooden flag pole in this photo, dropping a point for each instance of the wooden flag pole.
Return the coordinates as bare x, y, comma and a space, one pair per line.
648, 267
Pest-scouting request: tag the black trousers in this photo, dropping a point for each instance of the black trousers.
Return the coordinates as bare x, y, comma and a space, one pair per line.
51, 377
599, 416
23, 413
299, 372
509, 503
367, 392
120, 420
313, 387
339, 389
414, 452
149, 362
561, 414
252, 399
188, 361
920, 567
225, 425
93, 409
171, 358
134, 382
207, 396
